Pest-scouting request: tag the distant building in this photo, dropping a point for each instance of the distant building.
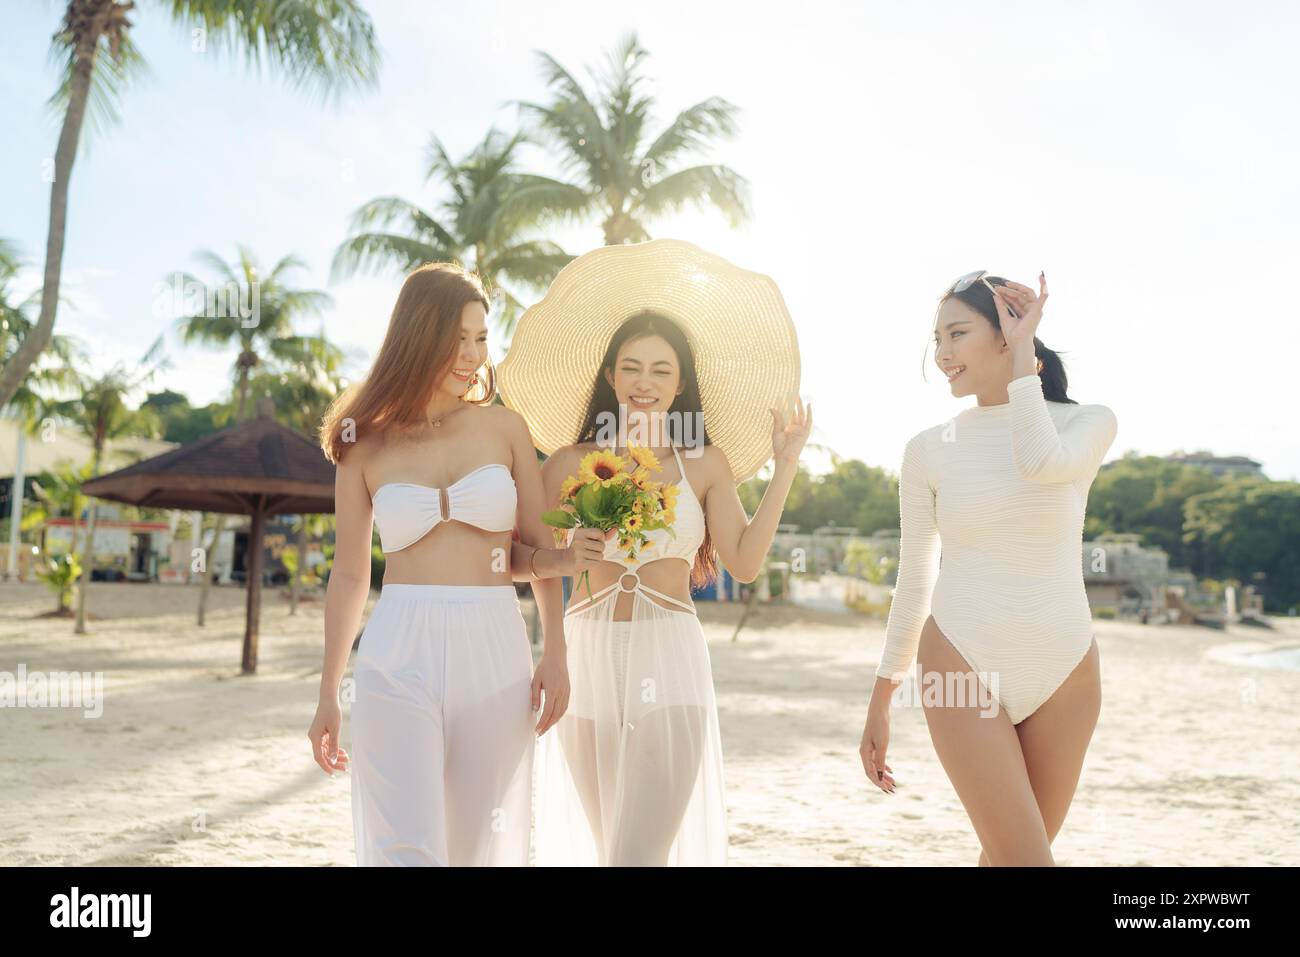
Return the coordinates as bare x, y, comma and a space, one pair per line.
1121, 575
822, 550
1218, 464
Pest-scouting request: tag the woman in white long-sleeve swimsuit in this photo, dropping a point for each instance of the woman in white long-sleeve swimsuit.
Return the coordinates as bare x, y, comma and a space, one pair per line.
1001, 488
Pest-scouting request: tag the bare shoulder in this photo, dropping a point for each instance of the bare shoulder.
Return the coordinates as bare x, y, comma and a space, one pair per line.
567, 457
362, 451
504, 420
710, 467
357, 463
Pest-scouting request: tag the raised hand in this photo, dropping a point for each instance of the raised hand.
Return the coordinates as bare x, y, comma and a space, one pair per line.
788, 438
1020, 310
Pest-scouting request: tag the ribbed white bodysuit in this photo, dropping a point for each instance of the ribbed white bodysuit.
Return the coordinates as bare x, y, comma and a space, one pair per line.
1003, 488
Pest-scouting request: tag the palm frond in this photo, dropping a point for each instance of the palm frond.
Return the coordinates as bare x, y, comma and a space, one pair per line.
533, 201
692, 130
109, 80
533, 263
321, 46
385, 251
700, 187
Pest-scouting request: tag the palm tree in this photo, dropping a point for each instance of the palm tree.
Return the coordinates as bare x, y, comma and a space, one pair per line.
100, 413
277, 303
16, 328
302, 386
301, 392
323, 46
625, 177
41, 379
60, 494
476, 225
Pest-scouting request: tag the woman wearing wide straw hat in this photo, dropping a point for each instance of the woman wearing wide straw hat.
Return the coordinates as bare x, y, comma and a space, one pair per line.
663, 346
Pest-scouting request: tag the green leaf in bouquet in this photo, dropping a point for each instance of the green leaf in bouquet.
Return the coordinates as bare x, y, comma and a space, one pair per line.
560, 518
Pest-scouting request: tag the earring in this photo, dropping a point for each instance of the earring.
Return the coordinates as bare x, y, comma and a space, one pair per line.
1040, 366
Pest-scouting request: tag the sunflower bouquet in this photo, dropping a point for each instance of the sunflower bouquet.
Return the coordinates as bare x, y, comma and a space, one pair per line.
605, 495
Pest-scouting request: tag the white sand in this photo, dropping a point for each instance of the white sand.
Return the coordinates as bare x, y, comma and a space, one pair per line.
1194, 760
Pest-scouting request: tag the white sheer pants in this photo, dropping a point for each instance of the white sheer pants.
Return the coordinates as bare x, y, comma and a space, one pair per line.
442, 741
632, 773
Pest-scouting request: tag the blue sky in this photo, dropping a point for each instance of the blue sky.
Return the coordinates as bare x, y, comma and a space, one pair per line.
1142, 154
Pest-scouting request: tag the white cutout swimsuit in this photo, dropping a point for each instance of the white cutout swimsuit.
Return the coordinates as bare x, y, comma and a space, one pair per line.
632, 774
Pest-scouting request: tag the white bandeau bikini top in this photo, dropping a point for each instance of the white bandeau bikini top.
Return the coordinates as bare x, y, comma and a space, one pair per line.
689, 526
405, 512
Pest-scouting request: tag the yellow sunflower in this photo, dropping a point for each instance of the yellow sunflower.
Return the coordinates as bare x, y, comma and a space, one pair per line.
644, 458
668, 496
634, 523
601, 467
569, 487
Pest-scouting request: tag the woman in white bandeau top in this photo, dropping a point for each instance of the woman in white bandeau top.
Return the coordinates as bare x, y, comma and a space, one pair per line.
446, 704
999, 624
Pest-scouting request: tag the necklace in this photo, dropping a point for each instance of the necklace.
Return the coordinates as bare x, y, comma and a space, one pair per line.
436, 421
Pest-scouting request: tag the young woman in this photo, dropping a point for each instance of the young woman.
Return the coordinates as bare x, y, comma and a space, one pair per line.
634, 775
641, 753
446, 702
1003, 486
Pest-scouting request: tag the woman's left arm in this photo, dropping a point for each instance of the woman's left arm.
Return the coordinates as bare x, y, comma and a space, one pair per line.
743, 542
1041, 453
551, 675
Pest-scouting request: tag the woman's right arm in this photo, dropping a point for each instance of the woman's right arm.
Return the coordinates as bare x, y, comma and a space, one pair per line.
583, 548
918, 569
349, 581
918, 563
345, 600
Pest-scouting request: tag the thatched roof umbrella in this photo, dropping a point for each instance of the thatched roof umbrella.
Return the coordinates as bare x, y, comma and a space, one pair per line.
255, 468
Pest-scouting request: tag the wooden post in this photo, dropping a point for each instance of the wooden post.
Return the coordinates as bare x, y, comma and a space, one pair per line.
254, 584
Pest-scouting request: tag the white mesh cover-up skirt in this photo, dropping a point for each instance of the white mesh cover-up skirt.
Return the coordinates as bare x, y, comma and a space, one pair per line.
631, 775
442, 742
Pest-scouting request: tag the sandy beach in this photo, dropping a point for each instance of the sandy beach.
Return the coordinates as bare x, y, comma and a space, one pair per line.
1193, 761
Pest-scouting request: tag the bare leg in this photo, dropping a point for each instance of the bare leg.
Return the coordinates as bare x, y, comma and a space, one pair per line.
578, 741
1055, 738
983, 759
662, 761
487, 778
397, 773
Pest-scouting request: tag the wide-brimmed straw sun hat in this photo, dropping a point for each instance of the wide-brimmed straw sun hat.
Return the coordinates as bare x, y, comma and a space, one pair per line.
744, 342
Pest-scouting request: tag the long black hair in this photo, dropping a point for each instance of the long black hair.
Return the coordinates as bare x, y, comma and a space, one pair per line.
687, 402
980, 298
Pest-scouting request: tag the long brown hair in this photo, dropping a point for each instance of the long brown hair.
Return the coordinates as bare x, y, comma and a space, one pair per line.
419, 346
604, 401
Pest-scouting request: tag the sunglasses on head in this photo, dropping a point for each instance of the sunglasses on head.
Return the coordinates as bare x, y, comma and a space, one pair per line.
962, 283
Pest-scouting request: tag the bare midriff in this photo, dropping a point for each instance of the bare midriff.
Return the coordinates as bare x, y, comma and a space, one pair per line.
672, 576
452, 553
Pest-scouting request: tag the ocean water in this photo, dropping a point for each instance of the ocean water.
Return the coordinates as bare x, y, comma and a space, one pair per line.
1287, 659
